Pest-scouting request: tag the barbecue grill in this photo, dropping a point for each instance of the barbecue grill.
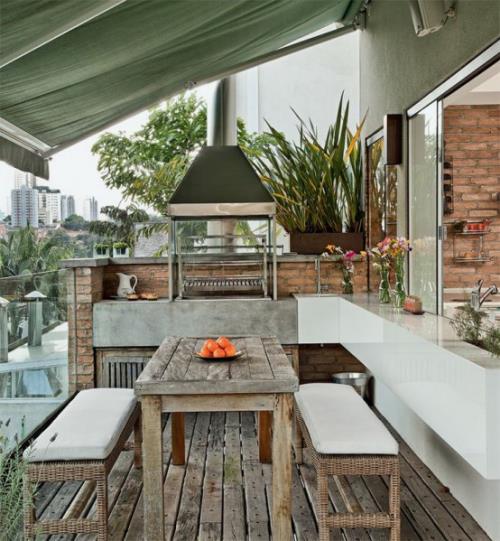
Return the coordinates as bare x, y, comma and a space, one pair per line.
221, 187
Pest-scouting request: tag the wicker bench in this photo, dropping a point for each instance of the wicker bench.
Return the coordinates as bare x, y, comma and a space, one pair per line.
346, 438
82, 444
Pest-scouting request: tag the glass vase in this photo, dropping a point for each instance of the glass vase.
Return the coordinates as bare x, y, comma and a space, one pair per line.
384, 292
347, 288
399, 294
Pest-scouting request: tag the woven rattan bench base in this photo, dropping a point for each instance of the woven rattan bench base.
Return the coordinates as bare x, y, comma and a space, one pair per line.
330, 465
94, 471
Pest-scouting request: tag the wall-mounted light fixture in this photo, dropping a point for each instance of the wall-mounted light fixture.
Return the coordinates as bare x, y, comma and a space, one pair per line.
393, 139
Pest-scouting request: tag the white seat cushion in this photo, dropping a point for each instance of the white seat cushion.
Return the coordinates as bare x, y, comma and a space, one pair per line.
339, 421
87, 429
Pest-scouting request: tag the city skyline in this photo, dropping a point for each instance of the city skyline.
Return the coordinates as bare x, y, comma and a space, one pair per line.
32, 203
66, 203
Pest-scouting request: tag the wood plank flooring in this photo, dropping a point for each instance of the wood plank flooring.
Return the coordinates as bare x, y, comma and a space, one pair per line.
223, 493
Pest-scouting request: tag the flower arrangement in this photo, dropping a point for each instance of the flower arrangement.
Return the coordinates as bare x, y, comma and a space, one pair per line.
346, 262
390, 253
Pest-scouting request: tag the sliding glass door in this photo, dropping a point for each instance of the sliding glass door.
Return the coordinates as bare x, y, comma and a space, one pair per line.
424, 204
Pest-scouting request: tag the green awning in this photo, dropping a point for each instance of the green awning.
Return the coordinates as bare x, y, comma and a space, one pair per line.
73, 67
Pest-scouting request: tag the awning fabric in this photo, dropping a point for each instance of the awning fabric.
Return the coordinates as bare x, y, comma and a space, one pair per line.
72, 67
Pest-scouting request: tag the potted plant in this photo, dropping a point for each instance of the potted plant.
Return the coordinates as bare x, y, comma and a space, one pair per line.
390, 253
317, 186
345, 259
102, 249
120, 249
381, 262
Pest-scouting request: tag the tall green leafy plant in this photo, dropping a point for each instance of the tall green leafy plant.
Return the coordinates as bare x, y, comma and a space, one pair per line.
12, 469
317, 185
120, 225
23, 252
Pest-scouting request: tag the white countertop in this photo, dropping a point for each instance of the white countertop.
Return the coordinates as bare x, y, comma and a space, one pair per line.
430, 327
452, 386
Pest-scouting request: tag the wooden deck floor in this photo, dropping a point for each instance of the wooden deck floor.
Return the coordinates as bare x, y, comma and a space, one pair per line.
223, 493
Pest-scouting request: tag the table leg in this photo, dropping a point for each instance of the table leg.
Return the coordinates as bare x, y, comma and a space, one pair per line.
282, 467
152, 446
265, 435
178, 443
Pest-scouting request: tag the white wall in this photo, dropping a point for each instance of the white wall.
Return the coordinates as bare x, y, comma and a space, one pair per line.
311, 81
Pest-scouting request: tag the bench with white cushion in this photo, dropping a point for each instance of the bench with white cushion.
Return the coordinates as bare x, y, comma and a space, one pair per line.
345, 437
82, 444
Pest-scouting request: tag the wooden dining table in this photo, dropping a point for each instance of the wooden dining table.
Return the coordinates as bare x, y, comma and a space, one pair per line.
176, 381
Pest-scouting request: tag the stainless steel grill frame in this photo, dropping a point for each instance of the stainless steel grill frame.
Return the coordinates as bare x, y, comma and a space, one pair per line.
226, 284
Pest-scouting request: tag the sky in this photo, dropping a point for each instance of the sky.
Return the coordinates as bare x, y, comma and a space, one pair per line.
74, 170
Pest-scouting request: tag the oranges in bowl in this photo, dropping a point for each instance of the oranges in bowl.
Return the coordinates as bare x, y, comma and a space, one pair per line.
218, 349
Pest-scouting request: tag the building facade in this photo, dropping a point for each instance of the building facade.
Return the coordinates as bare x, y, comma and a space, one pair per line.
307, 83
21, 178
49, 205
70, 203
90, 209
24, 207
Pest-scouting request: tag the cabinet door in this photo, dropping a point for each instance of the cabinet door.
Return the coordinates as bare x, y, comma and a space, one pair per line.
318, 320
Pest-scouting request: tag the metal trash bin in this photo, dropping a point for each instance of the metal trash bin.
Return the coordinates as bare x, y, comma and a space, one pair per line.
358, 380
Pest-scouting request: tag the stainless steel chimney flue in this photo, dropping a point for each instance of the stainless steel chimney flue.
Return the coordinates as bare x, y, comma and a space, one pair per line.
222, 131
221, 114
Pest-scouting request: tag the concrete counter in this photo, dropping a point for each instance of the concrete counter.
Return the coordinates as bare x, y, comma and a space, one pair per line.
146, 323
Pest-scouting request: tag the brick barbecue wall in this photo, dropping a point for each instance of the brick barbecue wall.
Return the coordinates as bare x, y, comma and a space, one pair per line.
96, 283
293, 277
472, 144
87, 284
318, 363
150, 278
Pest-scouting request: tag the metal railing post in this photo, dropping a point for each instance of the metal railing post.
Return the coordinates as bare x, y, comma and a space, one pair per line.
4, 330
35, 317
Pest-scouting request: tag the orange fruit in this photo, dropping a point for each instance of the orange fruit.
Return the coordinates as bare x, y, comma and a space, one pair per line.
223, 342
211, 345
230, 351
205, 352
219, 353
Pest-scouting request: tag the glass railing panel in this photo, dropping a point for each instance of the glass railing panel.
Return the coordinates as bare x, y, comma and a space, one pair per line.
34, 374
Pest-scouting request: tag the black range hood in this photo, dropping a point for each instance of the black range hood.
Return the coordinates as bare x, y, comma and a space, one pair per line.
221, 182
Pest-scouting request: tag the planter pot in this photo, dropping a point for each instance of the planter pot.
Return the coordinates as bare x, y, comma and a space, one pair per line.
315, 243
101, 252
120, 252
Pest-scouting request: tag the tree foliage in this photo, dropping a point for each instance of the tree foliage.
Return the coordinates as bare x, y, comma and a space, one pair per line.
121, 224
148, 165
75, 222
23, 252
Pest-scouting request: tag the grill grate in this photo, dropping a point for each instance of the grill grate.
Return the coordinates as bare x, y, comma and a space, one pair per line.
233, 283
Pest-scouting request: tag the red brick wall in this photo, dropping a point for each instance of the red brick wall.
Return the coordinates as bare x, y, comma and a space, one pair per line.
86, 284
150, 278
300, 277
472, 144
318, 363
293, 277
95, 283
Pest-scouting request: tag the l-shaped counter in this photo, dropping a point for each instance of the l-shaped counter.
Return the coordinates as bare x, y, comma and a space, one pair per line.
441, 394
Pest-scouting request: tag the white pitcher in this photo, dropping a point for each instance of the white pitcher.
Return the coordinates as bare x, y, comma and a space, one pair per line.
125, 286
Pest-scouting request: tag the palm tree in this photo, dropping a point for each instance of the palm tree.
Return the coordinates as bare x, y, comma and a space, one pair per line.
22, 252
